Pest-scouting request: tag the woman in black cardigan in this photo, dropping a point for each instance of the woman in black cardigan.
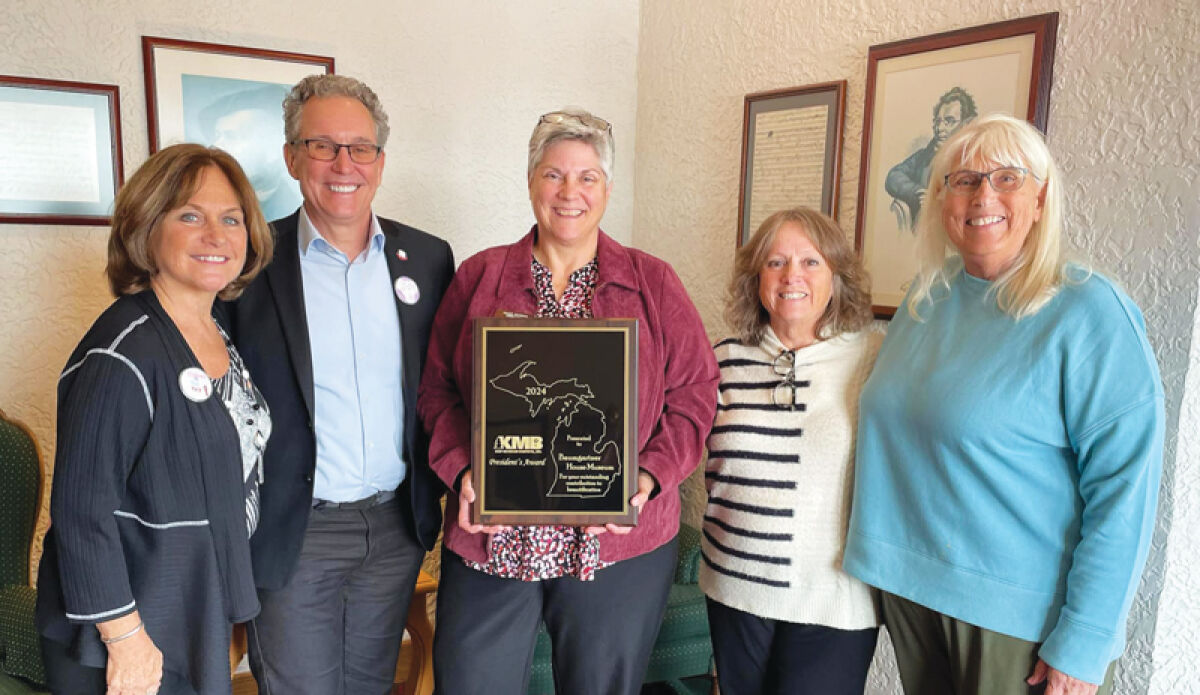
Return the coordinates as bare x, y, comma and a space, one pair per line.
160, 434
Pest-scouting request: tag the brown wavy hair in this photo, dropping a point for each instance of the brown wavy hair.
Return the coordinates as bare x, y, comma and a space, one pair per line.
165, 182
850, 303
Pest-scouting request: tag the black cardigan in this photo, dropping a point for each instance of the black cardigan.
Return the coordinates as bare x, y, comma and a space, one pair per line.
147, 503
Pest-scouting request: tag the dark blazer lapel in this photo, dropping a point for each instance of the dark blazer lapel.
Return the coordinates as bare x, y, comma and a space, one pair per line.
287, 288
393, 248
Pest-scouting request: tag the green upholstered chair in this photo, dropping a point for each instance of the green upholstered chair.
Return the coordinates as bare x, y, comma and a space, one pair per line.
21, 669
683, 647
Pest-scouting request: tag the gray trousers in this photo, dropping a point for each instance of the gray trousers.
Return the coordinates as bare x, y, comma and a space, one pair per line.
939, 654
601, 632
335, 629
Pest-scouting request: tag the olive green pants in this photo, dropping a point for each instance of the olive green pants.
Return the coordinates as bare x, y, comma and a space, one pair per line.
938, 655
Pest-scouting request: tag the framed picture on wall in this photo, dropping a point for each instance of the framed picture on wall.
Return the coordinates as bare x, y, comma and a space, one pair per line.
791, 152
60, 151
230, 97
919, 92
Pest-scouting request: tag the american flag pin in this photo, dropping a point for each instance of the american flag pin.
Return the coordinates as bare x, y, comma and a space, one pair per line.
402, 254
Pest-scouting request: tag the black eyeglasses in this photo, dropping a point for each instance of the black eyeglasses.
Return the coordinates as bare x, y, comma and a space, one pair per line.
786, 393
324, 150
1003, 180
587, 120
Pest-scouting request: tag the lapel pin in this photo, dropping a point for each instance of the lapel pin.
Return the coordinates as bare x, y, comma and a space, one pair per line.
407, 290
195, 384
402, 254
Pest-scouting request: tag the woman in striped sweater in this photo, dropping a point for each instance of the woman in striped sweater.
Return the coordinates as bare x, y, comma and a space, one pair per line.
785, 618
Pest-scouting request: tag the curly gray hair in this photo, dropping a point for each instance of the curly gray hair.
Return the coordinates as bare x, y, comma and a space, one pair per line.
332, 86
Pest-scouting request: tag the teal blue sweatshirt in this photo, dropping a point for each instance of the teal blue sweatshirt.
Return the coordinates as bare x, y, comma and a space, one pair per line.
1007, 471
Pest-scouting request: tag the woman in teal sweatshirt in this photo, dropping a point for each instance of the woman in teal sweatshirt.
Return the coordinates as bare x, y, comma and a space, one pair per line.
1010, 439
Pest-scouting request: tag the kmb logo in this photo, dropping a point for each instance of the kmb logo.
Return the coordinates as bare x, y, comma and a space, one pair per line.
518, 444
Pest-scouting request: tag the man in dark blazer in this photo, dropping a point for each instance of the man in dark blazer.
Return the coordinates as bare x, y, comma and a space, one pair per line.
334, 332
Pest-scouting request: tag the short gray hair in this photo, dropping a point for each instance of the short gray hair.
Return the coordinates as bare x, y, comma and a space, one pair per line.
546, 134
319, 86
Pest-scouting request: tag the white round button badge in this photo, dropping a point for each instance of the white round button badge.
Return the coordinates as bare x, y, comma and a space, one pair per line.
407, 290
195, 384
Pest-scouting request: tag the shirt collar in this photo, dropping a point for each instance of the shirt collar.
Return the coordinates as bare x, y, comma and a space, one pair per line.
307, 233
614, 264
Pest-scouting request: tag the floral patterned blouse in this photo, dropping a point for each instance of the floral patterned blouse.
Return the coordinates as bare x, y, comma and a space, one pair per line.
532, 553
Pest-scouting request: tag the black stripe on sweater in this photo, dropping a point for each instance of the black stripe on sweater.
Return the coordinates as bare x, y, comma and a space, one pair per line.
728, 341
752, 508
755, 385
800, 407
755, 429
751, 482
742, 575
739, 531
756, 557
741, 362
753, 456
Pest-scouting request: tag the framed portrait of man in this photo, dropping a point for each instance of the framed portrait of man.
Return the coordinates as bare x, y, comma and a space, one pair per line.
229, 97
920, 92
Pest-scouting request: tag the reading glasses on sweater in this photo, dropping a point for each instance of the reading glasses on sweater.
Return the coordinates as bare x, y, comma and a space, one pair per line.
786, 394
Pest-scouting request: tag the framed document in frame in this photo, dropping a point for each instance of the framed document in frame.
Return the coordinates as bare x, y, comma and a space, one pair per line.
60, 151
791, 152
554, 421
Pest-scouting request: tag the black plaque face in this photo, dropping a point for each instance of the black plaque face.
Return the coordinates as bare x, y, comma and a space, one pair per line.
555, 421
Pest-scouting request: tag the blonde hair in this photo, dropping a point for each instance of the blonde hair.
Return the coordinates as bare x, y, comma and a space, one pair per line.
163, 183
849, 303
1040, 267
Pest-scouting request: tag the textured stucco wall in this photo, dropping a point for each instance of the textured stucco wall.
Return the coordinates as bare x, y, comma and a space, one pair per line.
1122, 125
1175, 658
463, 83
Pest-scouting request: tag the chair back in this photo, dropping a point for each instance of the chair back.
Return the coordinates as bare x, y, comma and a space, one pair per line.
20, 499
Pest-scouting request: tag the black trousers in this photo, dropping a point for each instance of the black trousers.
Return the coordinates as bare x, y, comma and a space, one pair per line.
66, 676
760, 656
335, 629
601, 631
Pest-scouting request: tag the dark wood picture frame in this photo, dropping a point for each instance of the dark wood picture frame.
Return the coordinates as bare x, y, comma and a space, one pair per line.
794, 99
229, 97
109, 174
551, 364
937, 55
150, 44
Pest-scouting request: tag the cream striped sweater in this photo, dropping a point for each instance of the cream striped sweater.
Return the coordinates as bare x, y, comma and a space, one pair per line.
780, 481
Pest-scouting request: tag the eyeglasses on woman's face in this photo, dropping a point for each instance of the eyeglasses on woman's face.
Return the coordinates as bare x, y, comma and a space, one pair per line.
1002, 180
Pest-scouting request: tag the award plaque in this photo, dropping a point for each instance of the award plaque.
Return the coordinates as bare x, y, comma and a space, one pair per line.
554, 421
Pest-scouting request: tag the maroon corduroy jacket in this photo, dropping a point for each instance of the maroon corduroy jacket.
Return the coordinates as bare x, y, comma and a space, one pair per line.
677, 377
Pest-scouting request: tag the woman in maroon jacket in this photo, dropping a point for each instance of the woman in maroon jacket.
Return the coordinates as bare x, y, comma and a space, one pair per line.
600, 590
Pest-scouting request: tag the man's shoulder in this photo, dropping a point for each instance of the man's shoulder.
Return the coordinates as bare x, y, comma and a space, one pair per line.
409, 234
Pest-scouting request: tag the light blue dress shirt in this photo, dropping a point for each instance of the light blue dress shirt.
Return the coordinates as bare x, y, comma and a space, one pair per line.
354, 332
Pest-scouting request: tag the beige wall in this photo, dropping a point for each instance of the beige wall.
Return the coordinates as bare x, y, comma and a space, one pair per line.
463, 83
1123, 125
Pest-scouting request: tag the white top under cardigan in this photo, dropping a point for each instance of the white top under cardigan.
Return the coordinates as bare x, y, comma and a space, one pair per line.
780, 481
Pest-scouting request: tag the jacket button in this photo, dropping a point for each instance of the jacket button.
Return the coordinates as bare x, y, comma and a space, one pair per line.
308, 478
